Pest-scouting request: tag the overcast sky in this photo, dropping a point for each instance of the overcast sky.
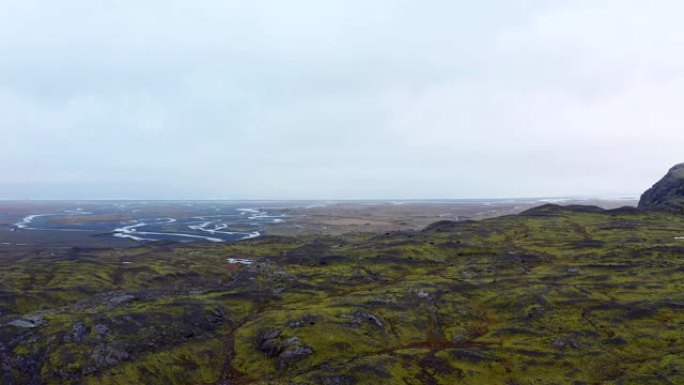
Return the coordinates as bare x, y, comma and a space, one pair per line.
331, 99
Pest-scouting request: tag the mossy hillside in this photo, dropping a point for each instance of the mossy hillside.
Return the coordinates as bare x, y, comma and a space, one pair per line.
553, 296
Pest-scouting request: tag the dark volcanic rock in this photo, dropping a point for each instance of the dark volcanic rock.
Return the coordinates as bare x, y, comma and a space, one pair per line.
28, 321
79, 331
269, 344
307, 320
294, 352
288, 350
108, 355
667, 194
359, 317
100, 329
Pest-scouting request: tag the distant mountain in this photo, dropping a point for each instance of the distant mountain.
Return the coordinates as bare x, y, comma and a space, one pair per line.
668, 193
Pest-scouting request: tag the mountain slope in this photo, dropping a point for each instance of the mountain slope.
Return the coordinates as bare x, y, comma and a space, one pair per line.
668, 193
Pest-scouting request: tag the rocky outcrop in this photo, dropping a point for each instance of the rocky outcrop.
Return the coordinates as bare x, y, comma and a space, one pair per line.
287, 350
28, 321
667, 194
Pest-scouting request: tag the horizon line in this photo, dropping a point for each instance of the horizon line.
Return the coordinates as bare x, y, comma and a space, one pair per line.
570, 198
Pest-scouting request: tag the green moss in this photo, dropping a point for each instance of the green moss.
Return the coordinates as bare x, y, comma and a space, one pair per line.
569, 297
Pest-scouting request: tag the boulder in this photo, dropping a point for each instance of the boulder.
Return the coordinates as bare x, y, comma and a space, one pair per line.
269, 344
79, 331
293, 353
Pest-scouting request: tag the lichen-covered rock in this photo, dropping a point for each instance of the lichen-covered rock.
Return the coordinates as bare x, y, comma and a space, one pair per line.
269, 344
79, 331
100, 329
293, 353
28, 321
307, 320
360, 317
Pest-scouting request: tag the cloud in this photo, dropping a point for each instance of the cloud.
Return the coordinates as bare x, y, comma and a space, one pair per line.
307, 99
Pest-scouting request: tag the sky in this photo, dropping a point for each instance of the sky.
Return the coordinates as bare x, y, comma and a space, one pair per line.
338, 99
